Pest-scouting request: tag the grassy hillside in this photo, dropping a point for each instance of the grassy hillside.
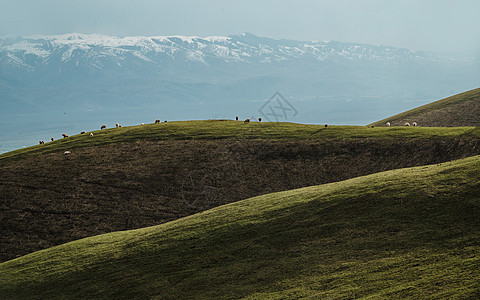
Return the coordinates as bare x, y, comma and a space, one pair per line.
147, 175
458, 110
218, 130
411, 232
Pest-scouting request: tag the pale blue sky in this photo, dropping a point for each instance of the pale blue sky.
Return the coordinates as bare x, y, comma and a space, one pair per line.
435, 25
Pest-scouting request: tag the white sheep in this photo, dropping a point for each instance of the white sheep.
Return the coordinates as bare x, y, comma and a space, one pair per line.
414, 124
407, 124
117, 125
91, 133
67, 152
388, 124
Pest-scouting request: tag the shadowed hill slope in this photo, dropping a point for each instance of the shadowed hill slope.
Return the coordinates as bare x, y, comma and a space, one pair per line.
141, 176
404, 233
459, 110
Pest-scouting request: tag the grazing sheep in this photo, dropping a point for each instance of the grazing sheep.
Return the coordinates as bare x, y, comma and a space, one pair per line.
91, 133
67, 152
157, 121
246, 121
165, 121
326, 125
52, 139
388, 124
64, 135
414, 124
83, 132
407, 124
41, 142
103, 127
259, 119
117, 125
236, 118
142, 124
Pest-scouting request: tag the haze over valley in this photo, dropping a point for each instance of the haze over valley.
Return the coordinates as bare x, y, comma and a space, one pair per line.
68, 83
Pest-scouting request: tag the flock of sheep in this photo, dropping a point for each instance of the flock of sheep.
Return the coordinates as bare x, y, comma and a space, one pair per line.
117, 125
157, 121
406, 124
247, 120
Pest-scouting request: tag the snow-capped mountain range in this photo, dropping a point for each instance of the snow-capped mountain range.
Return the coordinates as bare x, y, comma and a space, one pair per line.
31, 52
94, 77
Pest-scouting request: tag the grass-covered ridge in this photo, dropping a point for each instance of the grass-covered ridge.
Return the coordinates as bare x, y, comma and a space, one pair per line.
217, 130
408, 232
458, 110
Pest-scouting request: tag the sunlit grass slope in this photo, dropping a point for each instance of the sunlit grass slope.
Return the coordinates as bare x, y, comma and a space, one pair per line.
404, 233
216, 129
458, 110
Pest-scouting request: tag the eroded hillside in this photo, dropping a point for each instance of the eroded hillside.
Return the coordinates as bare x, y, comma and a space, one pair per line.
49, 198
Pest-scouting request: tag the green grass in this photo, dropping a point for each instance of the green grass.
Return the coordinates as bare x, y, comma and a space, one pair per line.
443, 103
404, 233
213, 130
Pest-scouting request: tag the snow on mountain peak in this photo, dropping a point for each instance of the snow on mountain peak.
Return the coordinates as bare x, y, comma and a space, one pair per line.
243, 47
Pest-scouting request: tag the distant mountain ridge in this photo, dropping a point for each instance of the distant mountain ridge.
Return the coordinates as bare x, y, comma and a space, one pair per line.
32, 51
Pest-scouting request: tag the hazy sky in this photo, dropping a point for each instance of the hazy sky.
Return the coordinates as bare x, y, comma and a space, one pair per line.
438, 25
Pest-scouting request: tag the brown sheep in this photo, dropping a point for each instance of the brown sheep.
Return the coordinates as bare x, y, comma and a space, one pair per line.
236, 118
64, 135
117, 125
259, 119
157, 121
246, 121
83, 132
103, 126
326, 125
52, 139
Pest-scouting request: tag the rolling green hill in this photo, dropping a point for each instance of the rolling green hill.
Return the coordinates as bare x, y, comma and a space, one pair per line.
458, 110
134, 177
411, 232
220, 130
